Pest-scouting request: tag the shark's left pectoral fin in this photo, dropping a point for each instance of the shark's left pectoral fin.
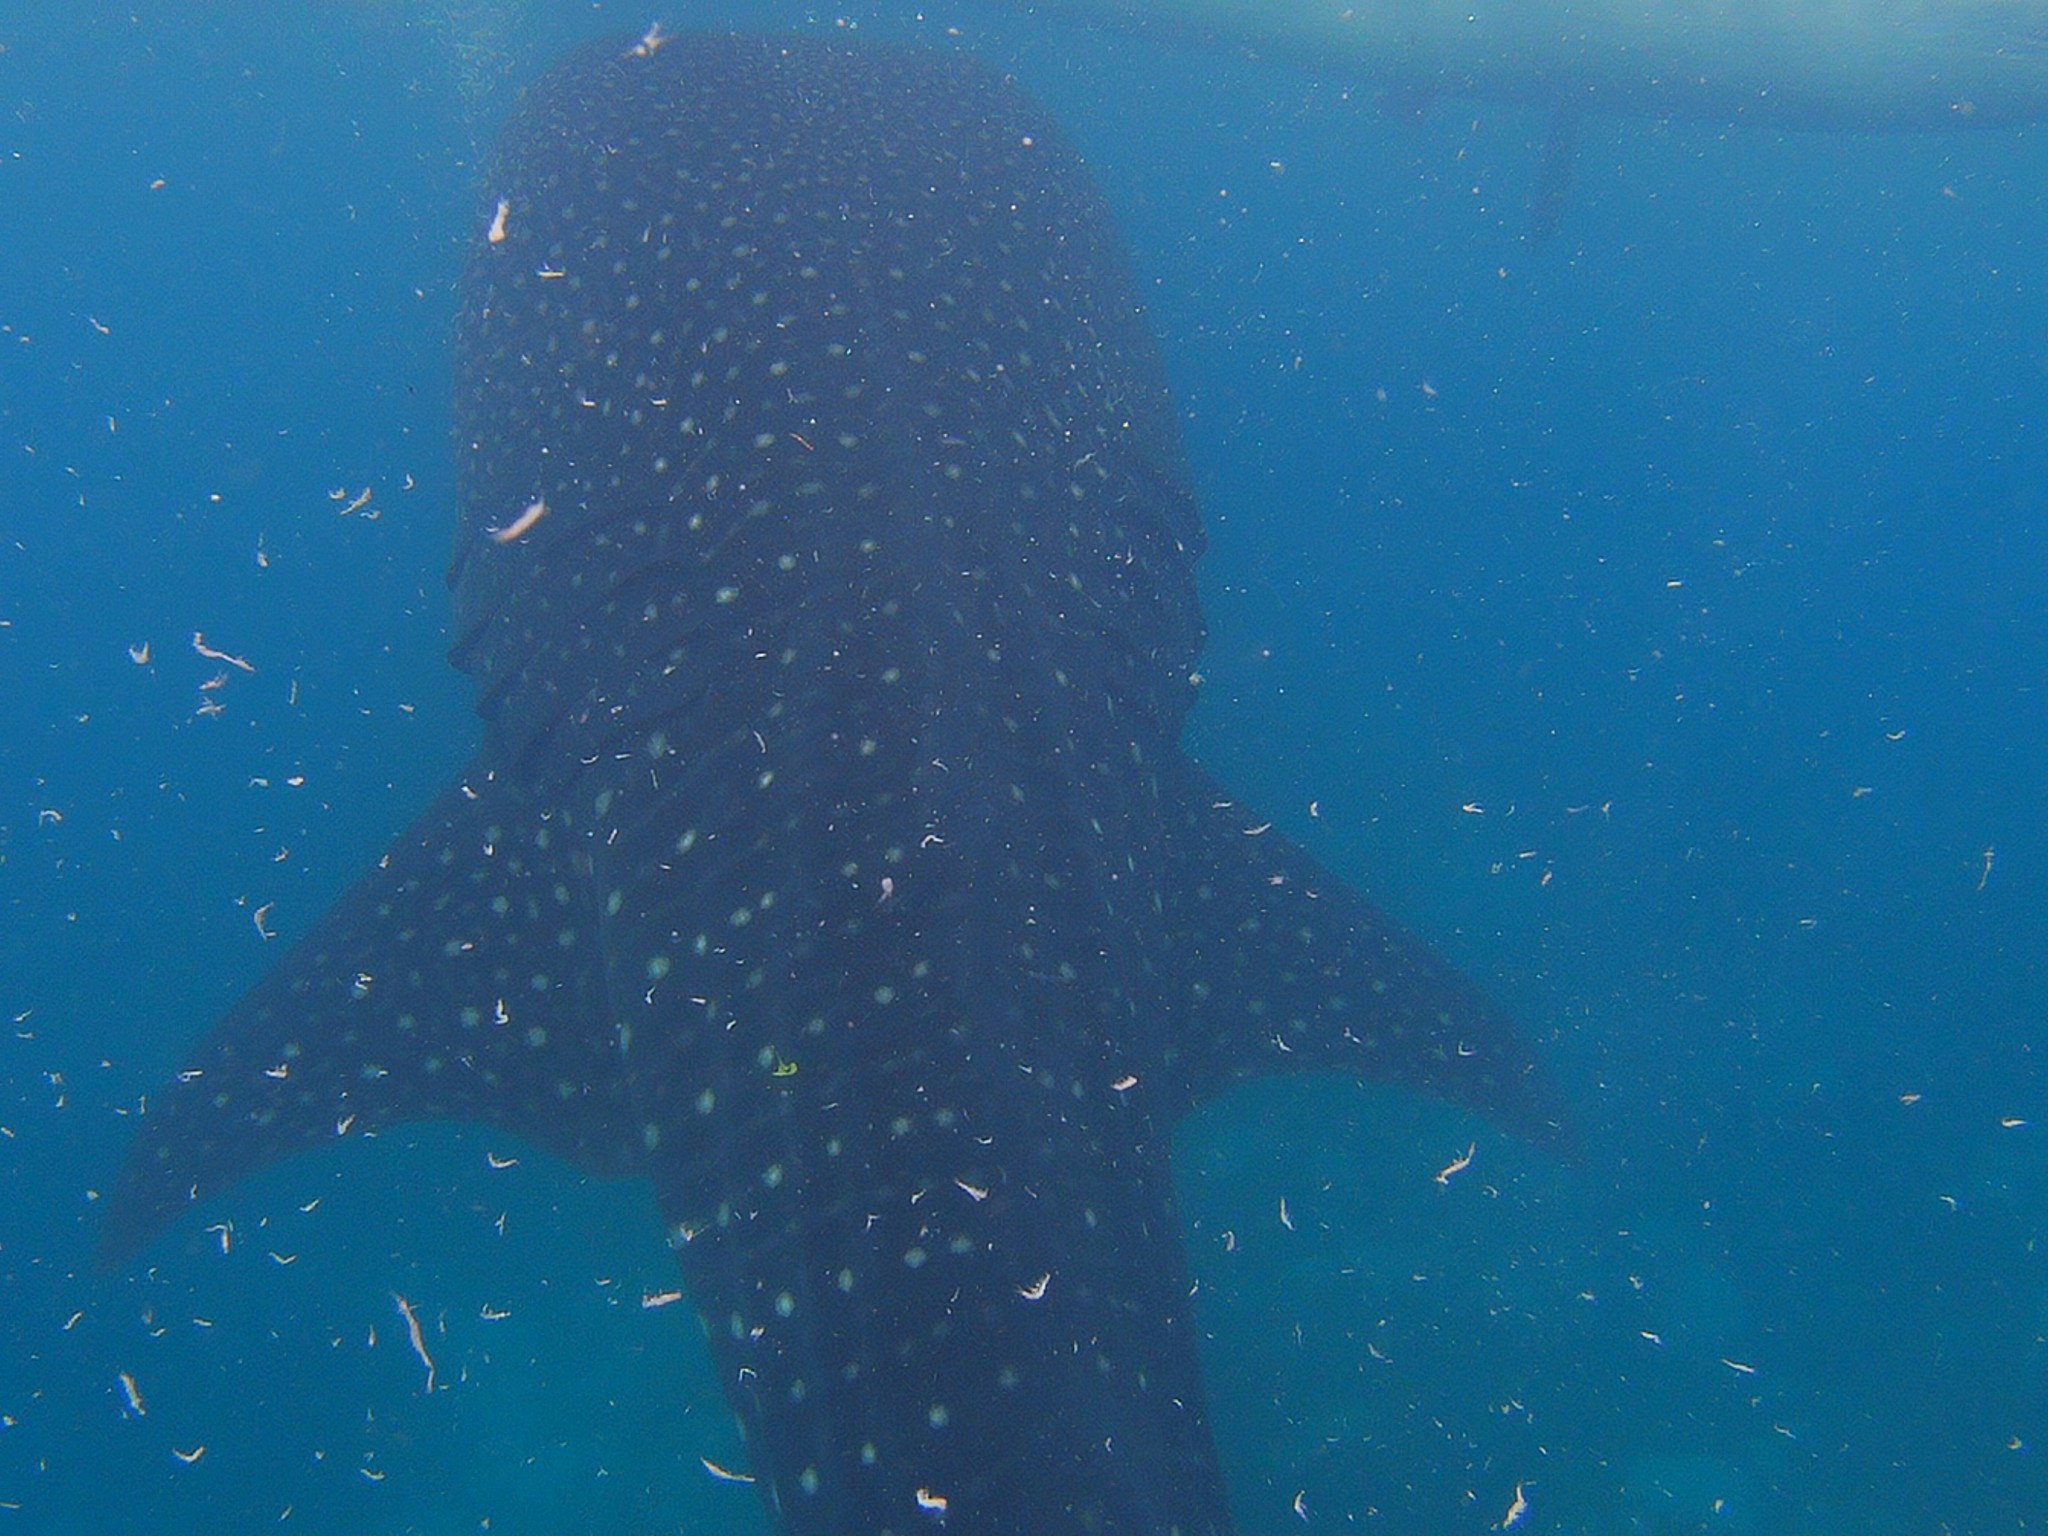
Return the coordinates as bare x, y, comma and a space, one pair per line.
454, 982
1281, 967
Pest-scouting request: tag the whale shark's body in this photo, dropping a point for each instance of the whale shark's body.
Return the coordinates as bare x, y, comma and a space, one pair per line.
1832, 64
825, 570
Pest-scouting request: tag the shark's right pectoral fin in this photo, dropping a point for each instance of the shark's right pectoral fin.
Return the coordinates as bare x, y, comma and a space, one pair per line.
458, 980
1281, 967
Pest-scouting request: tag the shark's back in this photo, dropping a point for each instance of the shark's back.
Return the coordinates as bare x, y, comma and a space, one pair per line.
844, 354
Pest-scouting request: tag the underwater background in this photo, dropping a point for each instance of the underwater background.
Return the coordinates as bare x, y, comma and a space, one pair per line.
1650, 613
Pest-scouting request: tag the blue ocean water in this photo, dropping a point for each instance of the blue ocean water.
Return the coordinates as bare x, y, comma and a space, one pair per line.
1650, 615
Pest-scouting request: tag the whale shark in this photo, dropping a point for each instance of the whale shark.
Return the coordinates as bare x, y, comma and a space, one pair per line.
1858, 65
824, 567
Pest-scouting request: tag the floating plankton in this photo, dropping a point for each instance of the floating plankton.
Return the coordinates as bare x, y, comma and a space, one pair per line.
521, 525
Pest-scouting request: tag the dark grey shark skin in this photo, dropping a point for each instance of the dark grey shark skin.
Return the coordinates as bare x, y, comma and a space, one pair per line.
831, 862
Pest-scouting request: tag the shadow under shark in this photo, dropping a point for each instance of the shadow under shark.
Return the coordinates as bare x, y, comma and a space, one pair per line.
826, 572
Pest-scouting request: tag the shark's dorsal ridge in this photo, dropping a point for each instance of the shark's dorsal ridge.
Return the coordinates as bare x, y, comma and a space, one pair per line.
825, 569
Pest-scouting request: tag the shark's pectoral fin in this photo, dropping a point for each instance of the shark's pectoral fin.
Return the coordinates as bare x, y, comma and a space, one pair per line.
454, 982
1286, 969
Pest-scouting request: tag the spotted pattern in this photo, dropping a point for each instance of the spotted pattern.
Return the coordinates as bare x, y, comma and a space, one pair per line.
825, 570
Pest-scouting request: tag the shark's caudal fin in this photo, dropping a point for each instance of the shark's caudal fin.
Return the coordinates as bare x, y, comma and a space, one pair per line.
454, 982
1287, 969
